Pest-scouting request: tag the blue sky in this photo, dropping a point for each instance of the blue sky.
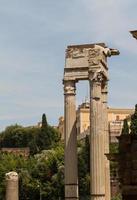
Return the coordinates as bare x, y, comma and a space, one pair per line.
33, 38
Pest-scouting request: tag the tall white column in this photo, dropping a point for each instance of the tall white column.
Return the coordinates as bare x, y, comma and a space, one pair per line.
97, 181
12, 186
71, 166
106, 140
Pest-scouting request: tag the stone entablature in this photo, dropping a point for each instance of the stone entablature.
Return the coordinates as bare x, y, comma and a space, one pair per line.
80, 59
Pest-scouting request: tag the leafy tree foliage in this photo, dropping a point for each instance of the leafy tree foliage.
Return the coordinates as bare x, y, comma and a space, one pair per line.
114, 148
125, 129
37, 138
44, 122
133, 126
10, 162
50, 170
84, 168
118, 197
42, 174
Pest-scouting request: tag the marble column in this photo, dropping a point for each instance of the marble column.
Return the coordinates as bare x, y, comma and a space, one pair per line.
106, 140
12, 186
71, 166
97, 181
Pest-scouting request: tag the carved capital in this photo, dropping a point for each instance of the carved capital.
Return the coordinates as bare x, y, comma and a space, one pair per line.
69, 88
96, 76
11, 176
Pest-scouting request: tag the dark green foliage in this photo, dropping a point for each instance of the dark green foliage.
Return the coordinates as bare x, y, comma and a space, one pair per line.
114, 148
133, 126
47, 136
50, 172
84, 168
10, 162
16, 136
118, 197
43, 174
44, 122
36, 138
125, 129
44, 137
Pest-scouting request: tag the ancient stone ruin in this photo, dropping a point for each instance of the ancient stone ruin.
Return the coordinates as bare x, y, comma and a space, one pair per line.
87, 62
12, 186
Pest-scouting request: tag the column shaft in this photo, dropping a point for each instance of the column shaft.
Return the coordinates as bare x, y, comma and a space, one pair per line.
106, 142
96, 142
12, 186
71, 166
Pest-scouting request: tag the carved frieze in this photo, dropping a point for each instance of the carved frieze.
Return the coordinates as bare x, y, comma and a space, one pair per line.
76, 53
93, 56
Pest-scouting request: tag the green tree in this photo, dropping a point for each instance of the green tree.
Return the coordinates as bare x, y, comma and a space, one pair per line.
18, 136
10, 162
50, 172
44, 125
133, 126
84, 168
35, 138
48, 136
7, 137
125, 129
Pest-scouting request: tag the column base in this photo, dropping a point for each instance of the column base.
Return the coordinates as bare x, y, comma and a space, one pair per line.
71, 191
97, 197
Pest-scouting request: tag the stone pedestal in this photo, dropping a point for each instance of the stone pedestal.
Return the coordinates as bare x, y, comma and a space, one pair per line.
12, 186
97, 180
71, 166
106, 140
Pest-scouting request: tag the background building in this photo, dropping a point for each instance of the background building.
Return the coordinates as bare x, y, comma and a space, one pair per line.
115, 121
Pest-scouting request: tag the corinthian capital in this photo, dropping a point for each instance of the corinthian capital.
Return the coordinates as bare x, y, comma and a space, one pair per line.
96, 76
69, 87
11, 176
